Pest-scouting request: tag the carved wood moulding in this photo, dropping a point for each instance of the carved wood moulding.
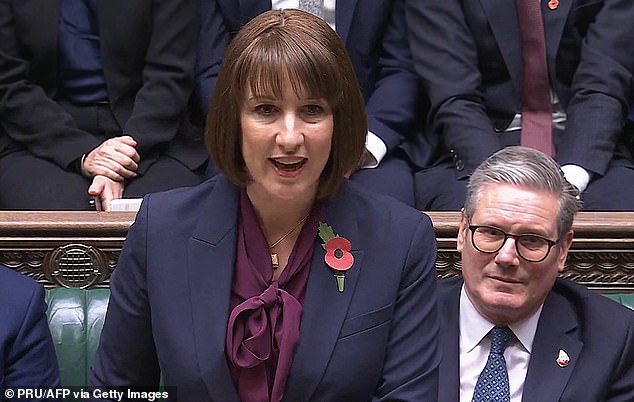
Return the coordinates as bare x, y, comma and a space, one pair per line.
68, 265
81, 249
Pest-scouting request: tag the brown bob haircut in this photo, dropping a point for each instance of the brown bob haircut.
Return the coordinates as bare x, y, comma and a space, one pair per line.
287, 46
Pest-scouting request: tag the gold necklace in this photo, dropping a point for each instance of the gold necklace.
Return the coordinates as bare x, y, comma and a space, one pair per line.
275, 260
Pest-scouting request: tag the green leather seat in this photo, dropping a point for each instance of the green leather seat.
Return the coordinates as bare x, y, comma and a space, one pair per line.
626, 299
75, 318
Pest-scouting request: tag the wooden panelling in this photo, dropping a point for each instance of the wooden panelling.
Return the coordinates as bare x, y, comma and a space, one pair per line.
80, 249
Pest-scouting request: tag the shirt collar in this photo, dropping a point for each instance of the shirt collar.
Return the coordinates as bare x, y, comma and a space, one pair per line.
474, 327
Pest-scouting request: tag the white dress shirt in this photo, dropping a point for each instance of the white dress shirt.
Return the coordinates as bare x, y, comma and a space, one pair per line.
475, 346
329, 8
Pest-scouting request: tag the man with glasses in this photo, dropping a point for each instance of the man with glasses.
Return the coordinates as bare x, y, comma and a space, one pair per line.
511, 330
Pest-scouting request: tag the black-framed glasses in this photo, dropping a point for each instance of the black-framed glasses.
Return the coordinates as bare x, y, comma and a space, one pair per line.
531, 247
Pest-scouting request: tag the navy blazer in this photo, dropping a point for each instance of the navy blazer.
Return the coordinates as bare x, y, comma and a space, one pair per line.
170, 295
375, 35
148, 54
468, 54
27, 354
597, 334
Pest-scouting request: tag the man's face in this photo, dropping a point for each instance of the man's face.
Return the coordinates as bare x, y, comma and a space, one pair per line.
503, 286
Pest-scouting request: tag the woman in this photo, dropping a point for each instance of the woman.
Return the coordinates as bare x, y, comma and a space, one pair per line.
239, 288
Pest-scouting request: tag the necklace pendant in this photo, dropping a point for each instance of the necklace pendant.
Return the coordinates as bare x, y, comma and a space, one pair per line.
275, 261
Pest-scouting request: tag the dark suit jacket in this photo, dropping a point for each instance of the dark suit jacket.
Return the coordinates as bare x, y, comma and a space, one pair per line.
597, 334
169, 304
375, 35
148, 54
27, 355
468, 54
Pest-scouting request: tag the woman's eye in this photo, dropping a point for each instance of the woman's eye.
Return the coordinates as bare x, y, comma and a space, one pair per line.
265, 110
313, 110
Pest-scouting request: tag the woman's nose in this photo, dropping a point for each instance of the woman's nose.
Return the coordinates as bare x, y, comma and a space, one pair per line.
290, 135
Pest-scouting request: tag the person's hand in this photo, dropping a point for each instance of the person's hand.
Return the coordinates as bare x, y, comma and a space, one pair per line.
104, 190
116, 159
577, 176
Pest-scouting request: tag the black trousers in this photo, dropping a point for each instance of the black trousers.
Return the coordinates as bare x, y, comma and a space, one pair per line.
31, 183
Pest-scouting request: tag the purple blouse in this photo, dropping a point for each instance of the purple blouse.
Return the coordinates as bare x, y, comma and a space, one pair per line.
263, 328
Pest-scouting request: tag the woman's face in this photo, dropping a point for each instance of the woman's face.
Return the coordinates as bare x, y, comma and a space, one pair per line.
285, 143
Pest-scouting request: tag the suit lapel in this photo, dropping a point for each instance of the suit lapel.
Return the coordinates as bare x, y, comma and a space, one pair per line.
324, 307
449, 370
556, 330
502, 18
344, 11
554, 22
211, 253
43, 16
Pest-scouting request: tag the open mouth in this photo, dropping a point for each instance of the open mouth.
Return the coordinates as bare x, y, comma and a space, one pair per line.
288, 166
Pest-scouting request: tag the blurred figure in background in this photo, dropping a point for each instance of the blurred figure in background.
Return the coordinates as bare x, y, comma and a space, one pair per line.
553, 75
94, 95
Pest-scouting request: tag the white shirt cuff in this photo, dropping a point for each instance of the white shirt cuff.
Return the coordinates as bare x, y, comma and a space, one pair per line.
377, 150
577, 176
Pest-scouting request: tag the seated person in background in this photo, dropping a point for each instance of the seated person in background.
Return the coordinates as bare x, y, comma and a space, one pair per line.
27, 354
375, 35
226, 289
571, 101
97, 98
508, 324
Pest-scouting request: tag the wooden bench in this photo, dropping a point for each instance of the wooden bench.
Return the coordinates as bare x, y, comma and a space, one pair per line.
80, 249
65, 249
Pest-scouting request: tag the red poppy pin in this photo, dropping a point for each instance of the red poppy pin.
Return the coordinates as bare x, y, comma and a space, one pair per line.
338, 255
563, 359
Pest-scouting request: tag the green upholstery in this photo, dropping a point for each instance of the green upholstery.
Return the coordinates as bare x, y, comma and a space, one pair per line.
75, 318
626, 299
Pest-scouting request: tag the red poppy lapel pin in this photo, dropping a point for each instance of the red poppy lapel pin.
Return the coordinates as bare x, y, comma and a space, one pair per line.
563, 359
338, 253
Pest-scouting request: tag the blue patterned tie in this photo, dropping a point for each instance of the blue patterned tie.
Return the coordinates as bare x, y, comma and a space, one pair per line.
493, 382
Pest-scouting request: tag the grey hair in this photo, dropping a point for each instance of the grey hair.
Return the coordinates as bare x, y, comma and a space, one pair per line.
527, 167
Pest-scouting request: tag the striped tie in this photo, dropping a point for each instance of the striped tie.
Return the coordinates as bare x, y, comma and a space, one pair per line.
535, 99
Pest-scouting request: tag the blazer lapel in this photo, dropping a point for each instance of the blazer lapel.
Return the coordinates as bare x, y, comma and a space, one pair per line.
211, 253
325, 307
449, 370
44, 25
554, 22
502, 18
344, 11
556, 331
